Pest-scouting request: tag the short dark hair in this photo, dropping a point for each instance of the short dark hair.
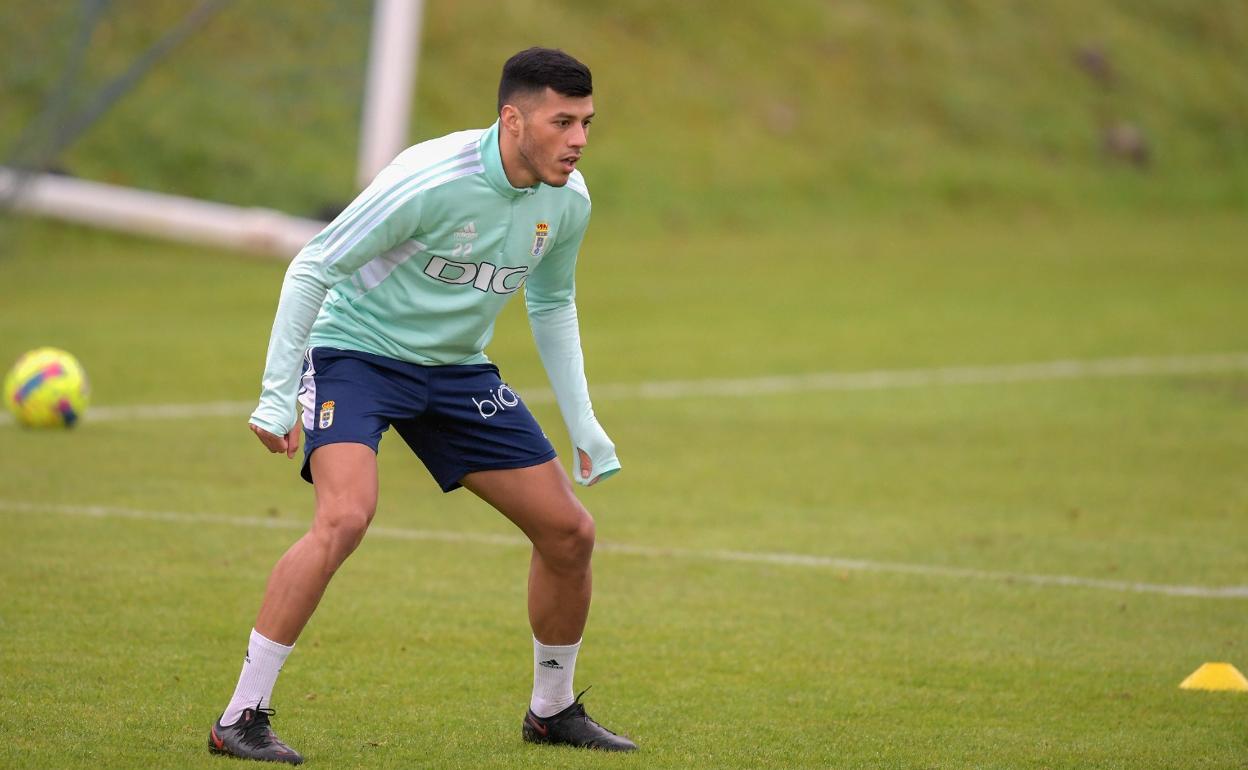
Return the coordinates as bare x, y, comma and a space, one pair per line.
533, 69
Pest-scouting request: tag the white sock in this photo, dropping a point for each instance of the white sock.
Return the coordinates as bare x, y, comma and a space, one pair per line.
255, 684
553, 666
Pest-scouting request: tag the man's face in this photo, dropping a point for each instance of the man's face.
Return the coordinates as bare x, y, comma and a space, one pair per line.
553, 132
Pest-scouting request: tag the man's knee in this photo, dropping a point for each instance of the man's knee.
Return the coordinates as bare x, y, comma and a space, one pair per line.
341, 524
569, 544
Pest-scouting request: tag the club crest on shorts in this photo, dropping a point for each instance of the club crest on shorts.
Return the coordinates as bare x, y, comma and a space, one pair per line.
539, 239
327, 415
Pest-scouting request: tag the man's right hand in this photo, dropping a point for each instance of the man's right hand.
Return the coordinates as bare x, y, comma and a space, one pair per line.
288, 443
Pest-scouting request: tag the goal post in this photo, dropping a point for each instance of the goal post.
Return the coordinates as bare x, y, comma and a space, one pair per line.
393, 54
394, 50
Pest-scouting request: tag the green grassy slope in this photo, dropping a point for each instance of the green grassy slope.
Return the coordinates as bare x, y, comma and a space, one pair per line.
709, 112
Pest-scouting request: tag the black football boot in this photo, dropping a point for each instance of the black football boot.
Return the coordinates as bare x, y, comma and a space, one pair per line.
251, 737
573, 727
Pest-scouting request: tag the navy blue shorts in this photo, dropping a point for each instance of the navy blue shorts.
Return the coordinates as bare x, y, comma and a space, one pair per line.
457, 419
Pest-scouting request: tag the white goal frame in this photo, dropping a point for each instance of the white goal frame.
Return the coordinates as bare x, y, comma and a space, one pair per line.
394, 51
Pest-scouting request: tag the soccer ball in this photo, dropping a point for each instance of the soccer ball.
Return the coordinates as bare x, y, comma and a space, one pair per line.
47, 388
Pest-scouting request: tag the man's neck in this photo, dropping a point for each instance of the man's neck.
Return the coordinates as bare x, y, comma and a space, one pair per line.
516, 170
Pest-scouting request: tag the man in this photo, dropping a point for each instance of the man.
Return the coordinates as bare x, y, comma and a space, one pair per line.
389, 309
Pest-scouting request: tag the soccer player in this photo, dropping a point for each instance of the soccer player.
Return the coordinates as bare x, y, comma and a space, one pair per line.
389, 309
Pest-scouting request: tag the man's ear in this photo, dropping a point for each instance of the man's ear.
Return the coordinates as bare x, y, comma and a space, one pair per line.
510, 118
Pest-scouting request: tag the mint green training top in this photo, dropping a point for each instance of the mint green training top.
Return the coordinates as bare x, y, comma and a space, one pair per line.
419, 266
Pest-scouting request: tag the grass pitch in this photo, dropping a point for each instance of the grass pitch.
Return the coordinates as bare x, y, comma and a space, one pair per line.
135, 551
823, 187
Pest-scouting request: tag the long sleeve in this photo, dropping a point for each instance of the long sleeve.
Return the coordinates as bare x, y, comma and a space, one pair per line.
303, 292
383, 216
550, 299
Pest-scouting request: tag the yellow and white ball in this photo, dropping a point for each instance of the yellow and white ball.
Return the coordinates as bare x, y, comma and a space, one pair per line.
47, 388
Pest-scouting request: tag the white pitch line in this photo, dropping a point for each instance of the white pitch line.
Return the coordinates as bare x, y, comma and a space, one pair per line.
719, 555
882, 379
885, 379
